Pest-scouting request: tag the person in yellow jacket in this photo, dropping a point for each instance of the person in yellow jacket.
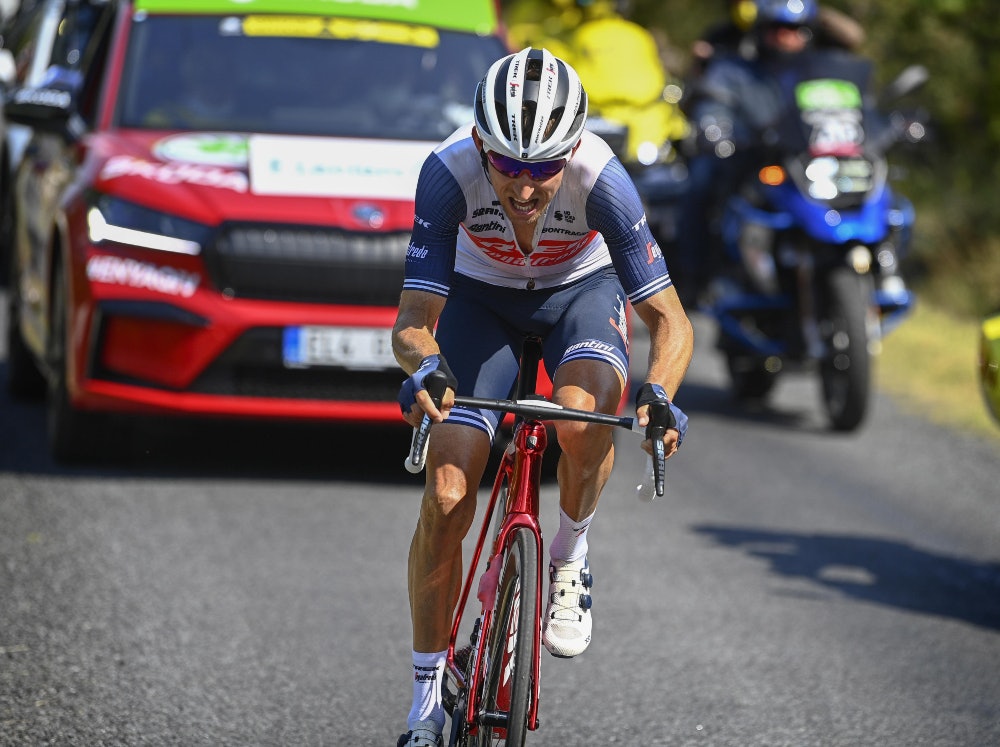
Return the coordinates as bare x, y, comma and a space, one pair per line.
989, 363
599, 42
542, 23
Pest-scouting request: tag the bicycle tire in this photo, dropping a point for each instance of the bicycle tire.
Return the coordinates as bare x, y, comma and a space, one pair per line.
507, 686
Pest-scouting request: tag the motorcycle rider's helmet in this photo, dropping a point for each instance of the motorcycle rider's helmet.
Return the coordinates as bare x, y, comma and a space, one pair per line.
530, 106
786, 12
784, 27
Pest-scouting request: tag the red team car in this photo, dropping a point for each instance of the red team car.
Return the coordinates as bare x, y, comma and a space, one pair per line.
213, 211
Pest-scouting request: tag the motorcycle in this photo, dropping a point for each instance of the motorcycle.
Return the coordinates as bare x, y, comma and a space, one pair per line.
813, 238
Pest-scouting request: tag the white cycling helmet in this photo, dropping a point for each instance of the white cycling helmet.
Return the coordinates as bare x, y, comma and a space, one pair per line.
531, 106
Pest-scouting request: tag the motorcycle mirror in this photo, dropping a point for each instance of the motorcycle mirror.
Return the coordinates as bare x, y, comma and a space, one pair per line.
908, 81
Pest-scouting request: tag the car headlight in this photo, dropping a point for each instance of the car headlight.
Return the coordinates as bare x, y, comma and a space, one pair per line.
110, 219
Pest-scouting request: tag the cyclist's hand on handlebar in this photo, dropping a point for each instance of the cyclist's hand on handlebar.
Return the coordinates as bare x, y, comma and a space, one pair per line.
676, 421
414, 399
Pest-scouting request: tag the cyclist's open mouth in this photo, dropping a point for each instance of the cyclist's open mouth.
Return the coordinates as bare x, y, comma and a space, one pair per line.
523, 208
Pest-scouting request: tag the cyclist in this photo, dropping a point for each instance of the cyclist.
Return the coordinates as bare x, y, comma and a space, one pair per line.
525, 223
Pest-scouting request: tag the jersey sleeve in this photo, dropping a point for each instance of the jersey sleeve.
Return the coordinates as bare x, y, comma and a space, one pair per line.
615, 209
439, 208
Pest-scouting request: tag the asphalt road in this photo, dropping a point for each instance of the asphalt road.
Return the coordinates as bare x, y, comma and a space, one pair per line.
244, 586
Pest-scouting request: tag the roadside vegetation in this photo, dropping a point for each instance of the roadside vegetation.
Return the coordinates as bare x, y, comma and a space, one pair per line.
929, 366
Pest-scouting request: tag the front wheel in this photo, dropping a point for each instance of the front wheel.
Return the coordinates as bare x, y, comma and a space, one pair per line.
74, 435
845, 369
507, 689
24, 379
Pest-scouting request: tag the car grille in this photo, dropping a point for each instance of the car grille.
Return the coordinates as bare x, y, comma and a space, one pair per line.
308, 264
284, 383
252, 367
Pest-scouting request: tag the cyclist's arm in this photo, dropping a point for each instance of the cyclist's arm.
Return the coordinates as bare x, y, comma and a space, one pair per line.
413, 340
430, 259
413, 334
671, 343
671, 340
615, 209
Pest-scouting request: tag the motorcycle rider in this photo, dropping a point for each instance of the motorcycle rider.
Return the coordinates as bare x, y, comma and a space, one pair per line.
730, 108
833, 30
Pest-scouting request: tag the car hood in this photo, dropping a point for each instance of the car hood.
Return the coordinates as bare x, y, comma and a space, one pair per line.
213, 177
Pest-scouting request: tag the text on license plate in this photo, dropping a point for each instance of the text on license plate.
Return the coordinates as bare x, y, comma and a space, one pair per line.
367, 348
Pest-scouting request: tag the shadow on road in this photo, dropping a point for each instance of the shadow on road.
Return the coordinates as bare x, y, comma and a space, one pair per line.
881, 571
168, 447
777, 412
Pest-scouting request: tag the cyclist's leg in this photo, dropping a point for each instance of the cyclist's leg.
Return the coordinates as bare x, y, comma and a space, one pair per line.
481, 356
591, 375
482, 353
587, 449
456, 459
591, 339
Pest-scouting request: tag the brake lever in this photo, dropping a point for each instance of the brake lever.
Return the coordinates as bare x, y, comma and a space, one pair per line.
659, 420
436, 383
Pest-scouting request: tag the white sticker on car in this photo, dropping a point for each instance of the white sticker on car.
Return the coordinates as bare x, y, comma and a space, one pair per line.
135, 274
335, 167
175, 173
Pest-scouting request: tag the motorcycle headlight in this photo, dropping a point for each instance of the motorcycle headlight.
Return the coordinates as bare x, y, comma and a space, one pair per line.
830, 176
111, 219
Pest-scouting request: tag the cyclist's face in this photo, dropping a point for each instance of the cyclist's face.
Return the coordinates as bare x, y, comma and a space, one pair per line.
523, 199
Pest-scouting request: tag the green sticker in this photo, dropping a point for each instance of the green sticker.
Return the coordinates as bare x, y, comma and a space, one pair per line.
827, 94
476, 16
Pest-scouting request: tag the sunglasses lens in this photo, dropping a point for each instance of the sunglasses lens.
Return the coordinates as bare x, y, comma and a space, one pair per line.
537, 170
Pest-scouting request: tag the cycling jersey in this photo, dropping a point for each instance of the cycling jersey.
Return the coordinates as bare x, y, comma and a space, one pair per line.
595, 220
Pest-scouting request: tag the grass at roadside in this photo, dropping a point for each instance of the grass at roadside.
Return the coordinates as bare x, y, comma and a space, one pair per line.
929, 364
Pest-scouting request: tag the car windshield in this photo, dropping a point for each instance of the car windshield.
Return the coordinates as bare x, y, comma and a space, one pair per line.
301, 75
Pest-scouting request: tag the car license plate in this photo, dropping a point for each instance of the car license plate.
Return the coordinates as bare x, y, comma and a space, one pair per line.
367, 348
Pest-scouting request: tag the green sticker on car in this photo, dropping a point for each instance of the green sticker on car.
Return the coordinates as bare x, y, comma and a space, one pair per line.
476, 16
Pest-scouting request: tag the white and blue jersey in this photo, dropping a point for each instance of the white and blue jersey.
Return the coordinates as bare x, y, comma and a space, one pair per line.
596, 220
592, 251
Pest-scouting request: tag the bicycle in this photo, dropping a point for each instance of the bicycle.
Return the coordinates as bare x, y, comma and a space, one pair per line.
497, 675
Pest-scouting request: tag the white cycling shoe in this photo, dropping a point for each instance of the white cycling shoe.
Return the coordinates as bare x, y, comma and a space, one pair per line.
424, 734
567, 624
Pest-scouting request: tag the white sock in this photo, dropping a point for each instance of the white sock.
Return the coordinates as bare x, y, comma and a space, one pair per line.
570, 542
428, 670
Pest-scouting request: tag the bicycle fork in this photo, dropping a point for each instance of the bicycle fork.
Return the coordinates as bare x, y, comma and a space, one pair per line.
521, 470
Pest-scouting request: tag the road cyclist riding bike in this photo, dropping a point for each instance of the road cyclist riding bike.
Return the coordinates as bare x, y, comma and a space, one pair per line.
492, 685
526, 224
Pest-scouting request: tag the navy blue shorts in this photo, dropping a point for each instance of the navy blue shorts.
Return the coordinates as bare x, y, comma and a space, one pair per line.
482, 327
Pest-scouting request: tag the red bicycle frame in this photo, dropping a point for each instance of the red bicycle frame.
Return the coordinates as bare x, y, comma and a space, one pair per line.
521, 469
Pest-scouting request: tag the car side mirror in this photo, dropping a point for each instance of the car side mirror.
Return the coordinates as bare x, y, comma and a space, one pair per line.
48, 107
